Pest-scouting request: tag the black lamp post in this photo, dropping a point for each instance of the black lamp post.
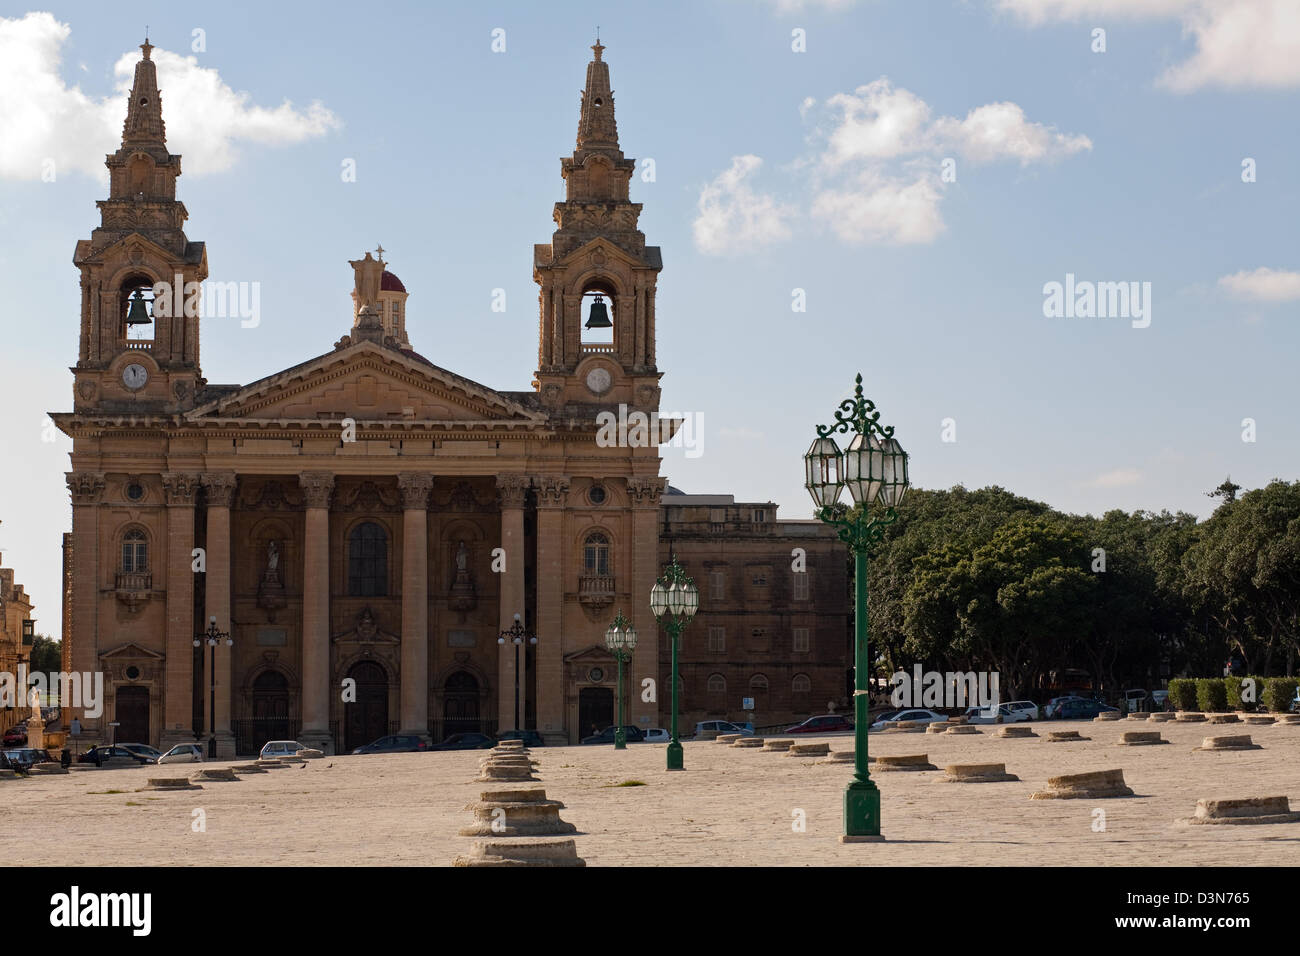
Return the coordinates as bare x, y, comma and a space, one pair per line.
213, 637
517, 635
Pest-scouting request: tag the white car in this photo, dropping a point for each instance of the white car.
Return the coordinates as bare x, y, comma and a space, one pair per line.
917, 715
183, 753
280, 748
657, 735
1026, 706
990, 715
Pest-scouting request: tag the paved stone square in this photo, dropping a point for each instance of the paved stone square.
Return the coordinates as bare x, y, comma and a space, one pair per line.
729, 807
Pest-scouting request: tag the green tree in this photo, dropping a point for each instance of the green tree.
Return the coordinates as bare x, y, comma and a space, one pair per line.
47, 654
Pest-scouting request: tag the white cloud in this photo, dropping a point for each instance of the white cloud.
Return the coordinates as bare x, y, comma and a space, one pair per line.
1263, 285
1239, 43
883, 210
1118, 478
799, 6
1000, 131
45, 119
877, 121
734, 218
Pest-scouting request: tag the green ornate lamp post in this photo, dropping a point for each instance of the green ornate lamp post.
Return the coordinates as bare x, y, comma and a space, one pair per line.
214, 636
674, 600
874, 469
621, 641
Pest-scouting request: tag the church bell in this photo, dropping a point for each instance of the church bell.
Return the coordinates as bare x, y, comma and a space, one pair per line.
138, 314
599, 316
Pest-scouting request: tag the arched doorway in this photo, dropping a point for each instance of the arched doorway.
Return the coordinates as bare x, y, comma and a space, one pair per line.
271, 706
366, 719
595, 710
132, 715
460, 704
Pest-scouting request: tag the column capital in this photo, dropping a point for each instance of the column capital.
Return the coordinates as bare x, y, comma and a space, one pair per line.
645, 491
552, 490
317, 488
220, 486
86, 487
415, 487
511, 490
180, 488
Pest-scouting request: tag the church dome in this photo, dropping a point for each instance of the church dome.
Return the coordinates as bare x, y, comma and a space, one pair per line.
390, 283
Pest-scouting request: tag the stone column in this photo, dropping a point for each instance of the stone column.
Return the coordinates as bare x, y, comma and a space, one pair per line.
220, 487
317, 486
178, 682
552, 492
87, 489
511, 490
415, 489
644, 494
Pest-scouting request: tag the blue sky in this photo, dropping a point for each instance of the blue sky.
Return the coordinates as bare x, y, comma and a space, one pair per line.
774, 170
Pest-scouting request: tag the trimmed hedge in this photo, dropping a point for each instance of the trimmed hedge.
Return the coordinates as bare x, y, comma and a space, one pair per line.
1211, 695
1235, 686
1182, 693
1278, 693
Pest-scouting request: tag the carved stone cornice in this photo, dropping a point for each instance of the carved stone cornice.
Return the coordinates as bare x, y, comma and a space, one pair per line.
552, 490
180, 488
86, 487
368, 496
511, 490
269, 496
646, 491
415, 487
316, 486
220, 486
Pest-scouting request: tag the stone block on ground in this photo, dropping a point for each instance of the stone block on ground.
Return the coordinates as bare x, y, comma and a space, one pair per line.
507, 813
1140, 738
1235, 742
905, 762
727, 738
963, 729
1096, 785
1250, 810
775, 745
1224, 719
748, 742
1189, 717
214, 775
172, 783
976, 773
1014, 730
1065, 736
48, 768
1107, 715
840, 756
521, 853
1161, 716
808, 750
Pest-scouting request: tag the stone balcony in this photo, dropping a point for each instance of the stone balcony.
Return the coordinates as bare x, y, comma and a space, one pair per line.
596, 590
134, 588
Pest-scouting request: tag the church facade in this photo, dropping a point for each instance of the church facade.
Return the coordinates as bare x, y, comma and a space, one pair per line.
358, 530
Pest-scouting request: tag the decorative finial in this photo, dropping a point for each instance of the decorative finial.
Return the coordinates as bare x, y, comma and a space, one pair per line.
379, 251
146, 46
597, 48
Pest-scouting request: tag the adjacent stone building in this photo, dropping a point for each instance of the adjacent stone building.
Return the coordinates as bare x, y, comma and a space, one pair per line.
365, 524
15, 610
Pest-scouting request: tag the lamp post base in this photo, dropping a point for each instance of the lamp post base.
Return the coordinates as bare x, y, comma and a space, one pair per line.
620, 741
675, 761
861, 811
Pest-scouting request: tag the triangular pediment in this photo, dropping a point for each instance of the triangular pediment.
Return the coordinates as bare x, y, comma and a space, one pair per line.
595, 654
370, 384
602, 246
131, 650
138, 248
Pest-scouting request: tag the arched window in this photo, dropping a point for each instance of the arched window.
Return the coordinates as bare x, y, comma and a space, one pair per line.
758, 691
801, 685
368, 561
595, 554
597, 314
135, 552
717, 685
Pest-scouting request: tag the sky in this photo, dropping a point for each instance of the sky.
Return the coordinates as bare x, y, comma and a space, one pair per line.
888, 187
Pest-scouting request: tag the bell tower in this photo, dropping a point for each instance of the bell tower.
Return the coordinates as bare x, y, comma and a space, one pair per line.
597, 275
140, 275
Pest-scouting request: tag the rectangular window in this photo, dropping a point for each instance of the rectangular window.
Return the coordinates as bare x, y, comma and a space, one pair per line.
718, 585
801, 585
760, 515
717, 639
801, 643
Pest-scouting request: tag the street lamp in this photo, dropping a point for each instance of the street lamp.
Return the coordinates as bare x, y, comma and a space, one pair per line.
213, 637
674, 600
517, 636
874, 469
621, 641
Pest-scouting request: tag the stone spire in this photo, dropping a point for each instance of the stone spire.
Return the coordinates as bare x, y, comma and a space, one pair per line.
597, 130
144, 123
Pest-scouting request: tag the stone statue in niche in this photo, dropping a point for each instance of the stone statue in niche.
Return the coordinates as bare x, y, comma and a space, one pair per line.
270, 590
463, 596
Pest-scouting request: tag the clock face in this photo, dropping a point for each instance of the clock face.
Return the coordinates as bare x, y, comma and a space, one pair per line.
134, 376
598, 380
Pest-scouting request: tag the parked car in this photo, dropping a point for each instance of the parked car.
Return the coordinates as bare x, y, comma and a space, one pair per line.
1003, 713
16, 735
606, 736
465, 742
98, 755
1025, 706
1053, 705
531, 738
22, 758
397, 744
274, 749
719, 727
825, 724
657, 735
916, 714
183, 753
1082, 709
143, 750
